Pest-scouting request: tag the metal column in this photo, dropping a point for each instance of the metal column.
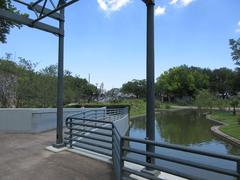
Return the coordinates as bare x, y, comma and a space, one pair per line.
60, 83
150, 123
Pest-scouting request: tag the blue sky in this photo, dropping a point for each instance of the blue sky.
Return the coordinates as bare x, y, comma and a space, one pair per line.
107, 38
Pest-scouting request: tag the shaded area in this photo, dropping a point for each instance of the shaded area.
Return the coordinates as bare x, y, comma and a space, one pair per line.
22, 156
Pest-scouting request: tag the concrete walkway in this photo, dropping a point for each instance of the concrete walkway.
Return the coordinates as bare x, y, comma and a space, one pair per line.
23, 157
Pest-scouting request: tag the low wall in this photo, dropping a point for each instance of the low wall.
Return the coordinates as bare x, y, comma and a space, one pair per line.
122, 125
32, 120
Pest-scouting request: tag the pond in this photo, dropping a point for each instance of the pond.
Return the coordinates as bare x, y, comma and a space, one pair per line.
187, 128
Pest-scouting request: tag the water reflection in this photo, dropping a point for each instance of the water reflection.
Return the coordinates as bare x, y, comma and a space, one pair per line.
185, 127
188, 128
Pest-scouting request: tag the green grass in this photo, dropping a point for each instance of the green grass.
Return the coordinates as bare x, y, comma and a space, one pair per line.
137, 106
233, 127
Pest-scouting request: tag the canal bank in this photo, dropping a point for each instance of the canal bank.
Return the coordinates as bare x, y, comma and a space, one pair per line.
216, 131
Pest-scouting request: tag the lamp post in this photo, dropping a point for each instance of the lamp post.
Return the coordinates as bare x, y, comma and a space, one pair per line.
150, 123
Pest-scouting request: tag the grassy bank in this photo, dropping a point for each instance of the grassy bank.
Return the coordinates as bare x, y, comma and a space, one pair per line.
232, 122
137, 106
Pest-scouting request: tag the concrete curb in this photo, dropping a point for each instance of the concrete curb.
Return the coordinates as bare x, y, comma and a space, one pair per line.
216, 131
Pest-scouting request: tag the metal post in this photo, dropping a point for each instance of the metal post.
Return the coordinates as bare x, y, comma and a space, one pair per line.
150, 123
121, 165
71, 131
60, 86
238, 169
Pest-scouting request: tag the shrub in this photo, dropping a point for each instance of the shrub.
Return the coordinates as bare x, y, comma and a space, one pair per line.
167, 106
157, 104
238, 119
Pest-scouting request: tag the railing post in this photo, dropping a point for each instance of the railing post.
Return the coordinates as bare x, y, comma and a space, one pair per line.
238, 169
84, 116
121, 143
104, 114
70, 142
112, 142
96, 114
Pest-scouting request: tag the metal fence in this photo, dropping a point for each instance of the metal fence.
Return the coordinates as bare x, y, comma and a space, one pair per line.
104, 131
179, 161
92, 129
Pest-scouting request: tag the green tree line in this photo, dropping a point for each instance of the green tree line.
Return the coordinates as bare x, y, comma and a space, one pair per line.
184, 81
23, 86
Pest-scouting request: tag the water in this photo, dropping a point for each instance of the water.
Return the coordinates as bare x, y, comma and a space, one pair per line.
187, 128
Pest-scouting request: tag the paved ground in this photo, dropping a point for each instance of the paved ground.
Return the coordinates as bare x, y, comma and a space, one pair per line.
23, 157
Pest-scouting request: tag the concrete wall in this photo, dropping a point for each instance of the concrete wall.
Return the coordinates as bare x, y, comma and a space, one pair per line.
122, 125
28, 120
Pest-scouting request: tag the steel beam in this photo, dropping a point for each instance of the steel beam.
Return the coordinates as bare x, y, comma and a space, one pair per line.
55, 10
4, 14
38, 8
37, 2
150, 123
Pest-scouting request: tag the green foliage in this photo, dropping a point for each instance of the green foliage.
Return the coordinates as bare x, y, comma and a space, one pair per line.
222, 81
167, 106
157, 104
137, 106
205, 99
221, 104
136, 87
5, 25
238, 119
181, 84
235, 47
234, 103
181, 81
39, 88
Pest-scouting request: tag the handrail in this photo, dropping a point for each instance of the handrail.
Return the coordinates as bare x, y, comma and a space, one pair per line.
94, 126
182, 148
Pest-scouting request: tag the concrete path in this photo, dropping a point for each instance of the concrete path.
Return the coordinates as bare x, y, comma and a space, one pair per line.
23, 157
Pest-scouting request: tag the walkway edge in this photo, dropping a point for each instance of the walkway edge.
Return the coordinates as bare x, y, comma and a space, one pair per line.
216, 131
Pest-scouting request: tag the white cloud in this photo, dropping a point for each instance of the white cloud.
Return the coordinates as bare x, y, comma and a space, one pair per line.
238, 28
173, 2
160, 11
186, 2
112, 5
181, 3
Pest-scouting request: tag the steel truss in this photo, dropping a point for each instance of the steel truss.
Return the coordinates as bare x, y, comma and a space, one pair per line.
56, 12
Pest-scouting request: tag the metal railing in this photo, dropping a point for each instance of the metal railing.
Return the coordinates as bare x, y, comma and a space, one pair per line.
179, 161
92, 129
109, 128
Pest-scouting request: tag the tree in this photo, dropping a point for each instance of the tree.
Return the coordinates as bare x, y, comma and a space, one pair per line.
181, 81
113, 93
222, 82
136, 87
234, 103
235, 47
205, 99
8, 83
5, 25
28, 86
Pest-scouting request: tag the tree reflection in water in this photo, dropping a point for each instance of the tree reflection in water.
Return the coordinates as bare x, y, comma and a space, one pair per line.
185, 127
